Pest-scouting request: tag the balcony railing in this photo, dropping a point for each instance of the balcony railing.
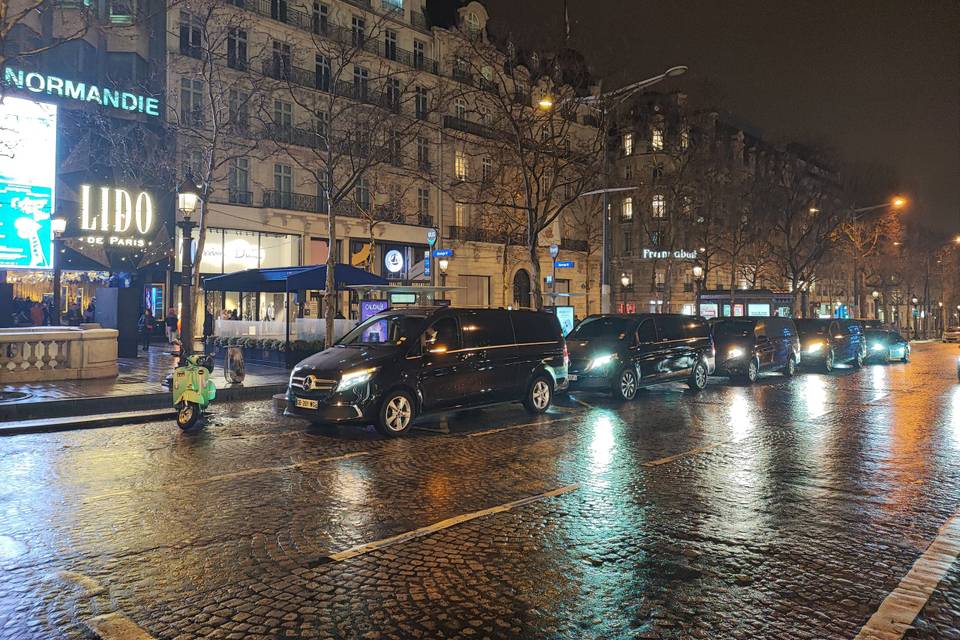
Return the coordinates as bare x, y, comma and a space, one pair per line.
453, 122
296, 136
235, 196
572, 244
293, 201
475, 234
419, 20
423, 220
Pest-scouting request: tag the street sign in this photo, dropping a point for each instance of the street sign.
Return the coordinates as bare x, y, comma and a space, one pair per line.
443, 253
426, 263
554, 251
563, 264
431, 237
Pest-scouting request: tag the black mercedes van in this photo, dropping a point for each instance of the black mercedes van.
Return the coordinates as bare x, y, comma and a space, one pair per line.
621, 353
402, 363
747, 346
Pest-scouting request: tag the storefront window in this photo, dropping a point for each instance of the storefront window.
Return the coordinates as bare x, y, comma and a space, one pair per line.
241, 250
279, 250
230, 250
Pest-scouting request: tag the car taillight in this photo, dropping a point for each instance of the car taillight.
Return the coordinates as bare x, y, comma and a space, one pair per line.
566, 356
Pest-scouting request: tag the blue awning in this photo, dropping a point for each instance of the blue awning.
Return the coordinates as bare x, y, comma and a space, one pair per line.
282, 279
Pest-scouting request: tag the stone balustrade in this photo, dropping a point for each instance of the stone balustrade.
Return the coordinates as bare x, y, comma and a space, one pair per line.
32, 354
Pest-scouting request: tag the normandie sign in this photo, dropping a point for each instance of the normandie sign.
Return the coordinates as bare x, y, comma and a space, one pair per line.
80, 91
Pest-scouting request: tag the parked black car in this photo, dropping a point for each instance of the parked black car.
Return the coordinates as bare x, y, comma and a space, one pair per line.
401, 363
747, 346
620, 353
884, 346
826, 342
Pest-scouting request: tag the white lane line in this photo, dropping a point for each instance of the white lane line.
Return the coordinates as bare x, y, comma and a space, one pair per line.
358, 550
582, 403
235, 474
899, 609
116, 626
685, 454
477, 434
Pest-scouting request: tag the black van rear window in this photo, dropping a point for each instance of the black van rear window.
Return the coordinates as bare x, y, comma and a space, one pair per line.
530, 326
485, 329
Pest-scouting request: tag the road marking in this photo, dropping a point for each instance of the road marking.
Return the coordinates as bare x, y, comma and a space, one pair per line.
235, 474
582, 403
90, 586
685, 454
899, 609
361, 549
477, 434
116, 626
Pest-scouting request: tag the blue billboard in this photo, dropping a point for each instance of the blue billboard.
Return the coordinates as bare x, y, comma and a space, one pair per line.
28, 169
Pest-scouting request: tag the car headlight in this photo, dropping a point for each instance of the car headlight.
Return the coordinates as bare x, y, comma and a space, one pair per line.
736, 352
601, 361
813, 347
352, 379
876, 346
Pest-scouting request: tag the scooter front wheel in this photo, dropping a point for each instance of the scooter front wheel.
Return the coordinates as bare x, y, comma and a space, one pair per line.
188, 415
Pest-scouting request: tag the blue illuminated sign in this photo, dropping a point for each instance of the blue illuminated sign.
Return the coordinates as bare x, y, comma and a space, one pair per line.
563, 264
443, 253
28, 164
372, 307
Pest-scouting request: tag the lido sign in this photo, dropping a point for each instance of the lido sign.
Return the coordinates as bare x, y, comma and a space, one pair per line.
118, 219
80, 91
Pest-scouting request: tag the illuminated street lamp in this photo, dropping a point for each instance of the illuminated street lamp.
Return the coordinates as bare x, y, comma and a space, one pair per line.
698, 282
625, 280
876, 304
443, 263
546, 102
187, 200
57, 226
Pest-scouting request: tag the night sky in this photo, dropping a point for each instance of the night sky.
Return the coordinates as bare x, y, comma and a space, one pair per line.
876, 80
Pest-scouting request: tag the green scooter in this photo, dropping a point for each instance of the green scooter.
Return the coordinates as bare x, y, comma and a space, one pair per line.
193, 390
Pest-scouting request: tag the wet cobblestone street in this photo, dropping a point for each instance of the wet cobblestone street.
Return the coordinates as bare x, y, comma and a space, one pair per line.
787, 509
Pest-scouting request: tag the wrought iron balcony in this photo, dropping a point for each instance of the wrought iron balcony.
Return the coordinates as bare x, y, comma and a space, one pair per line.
235, 196
573, 244
452, 122
476, 234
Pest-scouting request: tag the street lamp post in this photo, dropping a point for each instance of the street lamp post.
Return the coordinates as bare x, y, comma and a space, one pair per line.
443, 263
187, 200
698, 283
58, 226
916, 318
876, 305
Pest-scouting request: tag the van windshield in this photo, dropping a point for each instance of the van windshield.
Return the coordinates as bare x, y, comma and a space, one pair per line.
386, 330
733, 328
812, 326
602, 327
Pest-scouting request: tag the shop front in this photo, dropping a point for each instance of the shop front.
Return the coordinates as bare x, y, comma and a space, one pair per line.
745, 303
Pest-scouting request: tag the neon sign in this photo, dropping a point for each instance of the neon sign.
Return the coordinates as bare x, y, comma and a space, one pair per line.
80, 91
680, 254
119, 225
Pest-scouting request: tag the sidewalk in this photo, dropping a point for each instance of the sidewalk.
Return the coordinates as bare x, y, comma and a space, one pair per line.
139, 386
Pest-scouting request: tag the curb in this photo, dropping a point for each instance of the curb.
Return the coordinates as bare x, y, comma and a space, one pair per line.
122, 409
76, 423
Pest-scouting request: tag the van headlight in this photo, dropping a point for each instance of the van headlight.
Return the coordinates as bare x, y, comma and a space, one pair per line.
813, 347
734, 353
876, 346
352, 379
601, 361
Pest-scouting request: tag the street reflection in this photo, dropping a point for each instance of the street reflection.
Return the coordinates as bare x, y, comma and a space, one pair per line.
741, 421
953, 420
815, 395
601, 446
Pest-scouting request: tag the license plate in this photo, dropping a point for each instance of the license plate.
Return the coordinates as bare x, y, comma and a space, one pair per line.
571, 378
304, 403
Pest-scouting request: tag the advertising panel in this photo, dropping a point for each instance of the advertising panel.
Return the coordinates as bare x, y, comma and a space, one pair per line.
28, 161
565, 316
755, 309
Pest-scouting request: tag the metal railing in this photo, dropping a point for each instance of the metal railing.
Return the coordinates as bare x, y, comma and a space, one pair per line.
293, 201
235, 196
476, 234
459, 124
573, 244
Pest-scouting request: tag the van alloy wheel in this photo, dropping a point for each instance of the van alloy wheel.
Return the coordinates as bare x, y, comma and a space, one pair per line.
539, 395
628, 384
791, 367
698, 379
398, 413
828, 361
753, 372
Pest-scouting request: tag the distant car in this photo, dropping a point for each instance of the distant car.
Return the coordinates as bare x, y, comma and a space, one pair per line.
951, 334
621, 353
884, 346
747, 346
827, 342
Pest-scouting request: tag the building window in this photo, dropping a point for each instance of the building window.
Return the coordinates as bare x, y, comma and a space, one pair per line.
393, 94
361, 83
659, 206
191, 35
283, 182
657, 171
423, 201
237, 49
281, 60
656, 139
627, 242
628, 144
473, 23
359, 31
487, 169
474, 291
460, 108
628, 171
626, 210
321, 121
419, 54
394, 147
363, 194
421, 103
322, 72
238, 111
660, 278
459, 215
191, 102
321, 17
282, 114
684, 138
423, 153
278, 10
390, 44
239, 180
460, 165
655, 238
193, 163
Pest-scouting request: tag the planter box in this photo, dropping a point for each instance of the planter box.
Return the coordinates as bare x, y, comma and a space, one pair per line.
254, 355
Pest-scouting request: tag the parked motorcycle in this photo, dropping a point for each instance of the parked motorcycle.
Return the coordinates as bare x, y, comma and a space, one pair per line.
193, 390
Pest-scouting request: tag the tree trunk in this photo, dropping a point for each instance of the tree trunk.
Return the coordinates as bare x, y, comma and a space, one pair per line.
536, 291
329, 294
197, 293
